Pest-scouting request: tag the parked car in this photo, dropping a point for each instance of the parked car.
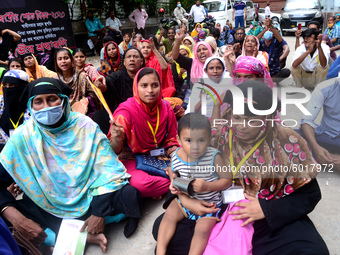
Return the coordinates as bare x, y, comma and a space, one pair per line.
273, 16
301, 12
222, 10
251, 13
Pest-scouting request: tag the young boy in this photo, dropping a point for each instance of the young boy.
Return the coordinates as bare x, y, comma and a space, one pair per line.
196, 160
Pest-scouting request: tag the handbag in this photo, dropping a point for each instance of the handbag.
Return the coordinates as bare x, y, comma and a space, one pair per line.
152, 165
24, 243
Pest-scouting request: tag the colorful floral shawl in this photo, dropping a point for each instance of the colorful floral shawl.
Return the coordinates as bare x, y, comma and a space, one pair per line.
282, 148
61, 169
133, 116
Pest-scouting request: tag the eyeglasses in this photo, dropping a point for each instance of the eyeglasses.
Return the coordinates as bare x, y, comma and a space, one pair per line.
239, 33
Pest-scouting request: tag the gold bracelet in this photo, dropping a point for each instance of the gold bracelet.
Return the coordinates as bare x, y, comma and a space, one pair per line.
3, 209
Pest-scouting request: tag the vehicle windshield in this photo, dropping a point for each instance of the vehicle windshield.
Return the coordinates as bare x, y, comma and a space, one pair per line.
298, 4
261, 10
215, 6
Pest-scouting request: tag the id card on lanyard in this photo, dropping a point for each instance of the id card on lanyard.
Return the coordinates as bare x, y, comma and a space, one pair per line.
12, 131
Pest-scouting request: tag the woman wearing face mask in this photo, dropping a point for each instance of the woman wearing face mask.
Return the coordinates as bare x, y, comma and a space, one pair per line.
200, 36
145, 115
79, 56
225, 36
83, 98
197, 28
251, 46
156, 61
112, 59
13, 107
69, 167
255, 29
34, 70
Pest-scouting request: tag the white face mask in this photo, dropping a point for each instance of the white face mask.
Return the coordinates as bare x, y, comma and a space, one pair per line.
49, 115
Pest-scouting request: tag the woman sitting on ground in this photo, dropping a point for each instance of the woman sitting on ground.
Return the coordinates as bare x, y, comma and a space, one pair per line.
156, 61
251, 48
126, 40
13, 108
34, 70
273, 218
148, 123
189, 42
180, 75
120, 86
79, 56
112, 59
83, 98
197, 28
16, 64
69, 167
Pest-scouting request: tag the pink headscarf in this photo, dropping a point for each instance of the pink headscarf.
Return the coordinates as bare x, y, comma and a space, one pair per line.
251, 65
197, 66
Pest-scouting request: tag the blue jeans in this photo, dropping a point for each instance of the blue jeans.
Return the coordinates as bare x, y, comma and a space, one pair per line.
239, 21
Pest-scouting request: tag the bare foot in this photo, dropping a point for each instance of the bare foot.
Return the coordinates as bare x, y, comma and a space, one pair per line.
99, 239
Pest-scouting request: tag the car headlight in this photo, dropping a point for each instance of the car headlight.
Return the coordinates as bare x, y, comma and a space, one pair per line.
285, 15
318, 15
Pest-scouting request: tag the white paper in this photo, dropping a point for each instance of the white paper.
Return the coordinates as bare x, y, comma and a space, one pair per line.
70, 240
233, 194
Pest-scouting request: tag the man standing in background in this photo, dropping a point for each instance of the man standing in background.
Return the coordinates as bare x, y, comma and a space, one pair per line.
239, 13
267, 11
198, 11
139, 16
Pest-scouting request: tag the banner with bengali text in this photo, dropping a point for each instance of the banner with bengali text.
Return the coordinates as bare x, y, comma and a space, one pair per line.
43, 25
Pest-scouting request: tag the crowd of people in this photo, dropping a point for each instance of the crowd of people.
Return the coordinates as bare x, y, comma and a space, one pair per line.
71, 159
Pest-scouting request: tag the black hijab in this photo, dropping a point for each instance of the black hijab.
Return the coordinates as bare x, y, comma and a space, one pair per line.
14, 107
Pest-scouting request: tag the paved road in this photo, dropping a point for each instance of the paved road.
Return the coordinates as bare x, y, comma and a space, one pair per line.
325, 216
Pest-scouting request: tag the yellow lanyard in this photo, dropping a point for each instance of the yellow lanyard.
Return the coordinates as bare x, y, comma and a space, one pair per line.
244, 159
152, 131
330, 32
16, 125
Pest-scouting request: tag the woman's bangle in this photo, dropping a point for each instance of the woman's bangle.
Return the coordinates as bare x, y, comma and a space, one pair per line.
3, 209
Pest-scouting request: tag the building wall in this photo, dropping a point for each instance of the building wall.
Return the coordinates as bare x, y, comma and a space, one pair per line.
275, 5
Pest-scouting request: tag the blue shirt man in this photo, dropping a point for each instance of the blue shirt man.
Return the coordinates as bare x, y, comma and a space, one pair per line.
239, 13
324, 138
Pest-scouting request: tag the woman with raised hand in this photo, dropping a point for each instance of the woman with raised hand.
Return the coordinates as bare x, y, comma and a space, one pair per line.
155, 60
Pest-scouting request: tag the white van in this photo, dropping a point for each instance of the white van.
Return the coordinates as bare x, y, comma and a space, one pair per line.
222, 10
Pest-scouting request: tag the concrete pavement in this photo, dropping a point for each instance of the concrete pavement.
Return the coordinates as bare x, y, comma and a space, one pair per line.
325, 216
